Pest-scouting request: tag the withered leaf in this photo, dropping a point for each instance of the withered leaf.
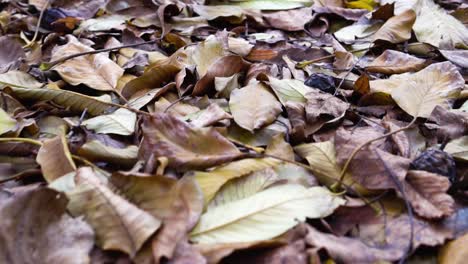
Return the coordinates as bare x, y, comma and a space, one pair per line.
186, 147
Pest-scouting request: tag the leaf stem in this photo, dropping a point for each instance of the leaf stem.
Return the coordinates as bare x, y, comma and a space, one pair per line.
337, 186
39, 20
24, 140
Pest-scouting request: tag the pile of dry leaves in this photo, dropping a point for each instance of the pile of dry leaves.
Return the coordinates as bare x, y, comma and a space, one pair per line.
235, 131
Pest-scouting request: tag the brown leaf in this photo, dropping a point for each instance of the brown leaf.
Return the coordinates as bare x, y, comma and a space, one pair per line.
96, 71
320, 104
185, 146
372, 167
251, 113
426, 192
449, 125
397, 29
219, 69
35, 228
455, 252
282, 19
392, 62
177, 203
280, 148
209, 116
361, 85
55, 158
10, 53
119, 224
352, 250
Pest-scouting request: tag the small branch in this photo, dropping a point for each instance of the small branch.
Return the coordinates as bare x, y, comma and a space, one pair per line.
24, 140
50, 65
337, 187
39, 20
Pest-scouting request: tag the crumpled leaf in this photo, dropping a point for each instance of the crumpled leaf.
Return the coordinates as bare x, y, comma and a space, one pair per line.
449, 125
55, 158
185, 146
119, 224
249, 112
206, 53
6, 122
102, 23
280, 148
397, 29
35, 228
120, 122
177, 203
232, 13
289, 90
426, 192
209, 116
436, 27
419, 93
11, 52
320, 104
210, 182
96, 71
282, 19
263, 215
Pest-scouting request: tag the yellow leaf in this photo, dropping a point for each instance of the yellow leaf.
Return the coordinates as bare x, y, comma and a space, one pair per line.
454, 252
362, 4
458, 148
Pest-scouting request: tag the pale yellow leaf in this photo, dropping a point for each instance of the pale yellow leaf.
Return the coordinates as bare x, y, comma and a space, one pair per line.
264, 215
210, 182
458, 148
120, 122
6, 122
18, 79
397, 29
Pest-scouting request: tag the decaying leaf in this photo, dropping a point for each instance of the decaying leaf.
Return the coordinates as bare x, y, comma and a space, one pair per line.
6, 122
397, 29
394, 62
184, 146
120, 122
35, 228
19, 79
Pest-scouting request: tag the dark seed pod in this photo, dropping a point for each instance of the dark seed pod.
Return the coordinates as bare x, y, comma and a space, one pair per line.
436, 161
322, 82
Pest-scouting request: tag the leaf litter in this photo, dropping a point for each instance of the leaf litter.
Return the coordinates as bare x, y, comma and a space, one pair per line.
247, 131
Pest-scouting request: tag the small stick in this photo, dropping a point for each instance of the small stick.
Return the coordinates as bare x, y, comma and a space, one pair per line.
39, 20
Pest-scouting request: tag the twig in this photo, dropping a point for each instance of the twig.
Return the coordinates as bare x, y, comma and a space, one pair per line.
401, 189
303, 64
24, 140
39, 20
175, 102
49, 65
337, 187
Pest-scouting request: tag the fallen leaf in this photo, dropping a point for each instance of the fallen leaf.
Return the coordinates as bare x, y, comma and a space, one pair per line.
249, 112
436, 27
449, 125
427, 194
119, 224
394, 62
320, 104
177, 203
37, 229
19, 79
280, 148
55, 158
210, 182
6, 122
120, 122
282, 19
458, 148
95, 150
289, 90
75, 101
454, 252
270, 4
209, 116
101, 73
397, 29
419, 93
236, 221
456, 56
185, 146
10, 53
